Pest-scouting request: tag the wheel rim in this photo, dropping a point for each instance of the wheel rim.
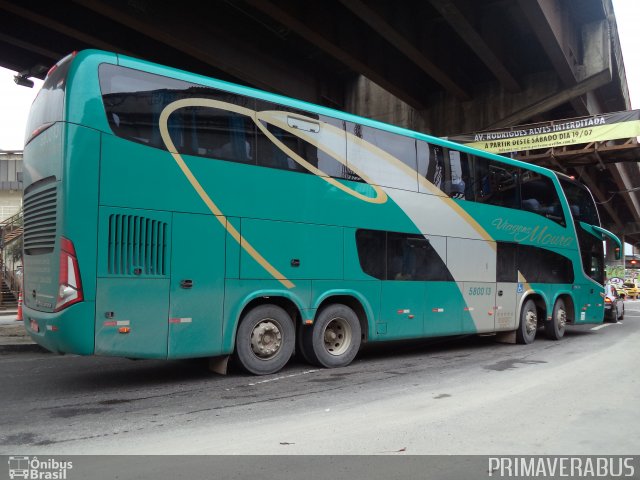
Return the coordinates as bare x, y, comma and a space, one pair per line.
561, 319
266, 339
531, 322
337, 336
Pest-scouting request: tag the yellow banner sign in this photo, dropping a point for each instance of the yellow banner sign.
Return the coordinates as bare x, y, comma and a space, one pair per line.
598, 128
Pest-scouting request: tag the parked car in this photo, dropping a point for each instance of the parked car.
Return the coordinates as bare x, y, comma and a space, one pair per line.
621, 291
631, 290
613, 304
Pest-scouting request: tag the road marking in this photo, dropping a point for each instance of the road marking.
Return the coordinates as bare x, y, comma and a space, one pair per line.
601, 326
607, 324
306, 372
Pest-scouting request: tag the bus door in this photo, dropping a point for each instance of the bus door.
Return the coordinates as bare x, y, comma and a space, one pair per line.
473, 264
132, 290
197, 286
509, 287
479, 306
508, 295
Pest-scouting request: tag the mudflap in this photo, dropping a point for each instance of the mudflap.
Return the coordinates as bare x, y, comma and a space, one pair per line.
219, 364
506, 337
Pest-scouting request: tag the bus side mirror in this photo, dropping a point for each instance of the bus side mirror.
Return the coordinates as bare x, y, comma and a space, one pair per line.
605, 233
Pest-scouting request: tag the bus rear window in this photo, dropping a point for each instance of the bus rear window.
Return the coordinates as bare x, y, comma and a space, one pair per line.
48, 107
134, 101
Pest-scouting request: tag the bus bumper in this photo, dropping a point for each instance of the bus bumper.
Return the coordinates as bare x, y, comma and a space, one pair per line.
71, 330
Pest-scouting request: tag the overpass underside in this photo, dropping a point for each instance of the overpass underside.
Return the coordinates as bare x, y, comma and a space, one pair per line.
437, 66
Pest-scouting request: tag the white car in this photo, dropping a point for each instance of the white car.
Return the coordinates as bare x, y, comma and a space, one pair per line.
613, 304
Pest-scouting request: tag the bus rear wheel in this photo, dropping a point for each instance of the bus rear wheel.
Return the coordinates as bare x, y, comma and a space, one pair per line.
526, 332
554, 328
265, 340
334, 339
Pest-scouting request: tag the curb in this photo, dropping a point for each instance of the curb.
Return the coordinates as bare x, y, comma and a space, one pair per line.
22, 347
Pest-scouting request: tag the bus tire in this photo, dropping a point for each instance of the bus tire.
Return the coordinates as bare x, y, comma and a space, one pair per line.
526, 332
303, 348
334, 339
554, 328
265, 340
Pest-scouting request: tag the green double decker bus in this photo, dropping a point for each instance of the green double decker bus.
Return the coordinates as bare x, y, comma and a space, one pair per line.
170, 215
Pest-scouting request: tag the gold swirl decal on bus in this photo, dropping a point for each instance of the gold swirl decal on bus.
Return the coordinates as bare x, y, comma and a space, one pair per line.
258, 118
273, 117
279, 119
474, 224
525, 283
426, 184
164, 132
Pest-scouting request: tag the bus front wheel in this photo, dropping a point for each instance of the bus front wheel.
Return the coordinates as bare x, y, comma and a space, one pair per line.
554, 328
334, 339
526, 332
265, 340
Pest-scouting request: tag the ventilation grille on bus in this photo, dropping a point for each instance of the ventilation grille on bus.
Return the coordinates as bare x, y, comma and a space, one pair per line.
137, 246
40, 221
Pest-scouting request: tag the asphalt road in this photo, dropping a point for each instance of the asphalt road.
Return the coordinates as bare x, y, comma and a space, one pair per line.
462, 396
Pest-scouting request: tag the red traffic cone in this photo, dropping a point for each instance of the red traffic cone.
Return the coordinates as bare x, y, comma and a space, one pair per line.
19, 315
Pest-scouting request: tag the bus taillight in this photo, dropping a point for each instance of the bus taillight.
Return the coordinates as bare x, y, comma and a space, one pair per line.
53, 68
69, 284
38, 131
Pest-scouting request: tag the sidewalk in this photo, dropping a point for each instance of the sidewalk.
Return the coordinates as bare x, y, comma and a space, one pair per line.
13, 337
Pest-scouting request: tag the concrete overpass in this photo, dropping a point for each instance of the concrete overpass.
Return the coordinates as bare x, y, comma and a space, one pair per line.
438, 66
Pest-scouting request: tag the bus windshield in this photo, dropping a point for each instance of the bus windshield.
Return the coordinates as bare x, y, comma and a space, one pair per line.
581, 203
